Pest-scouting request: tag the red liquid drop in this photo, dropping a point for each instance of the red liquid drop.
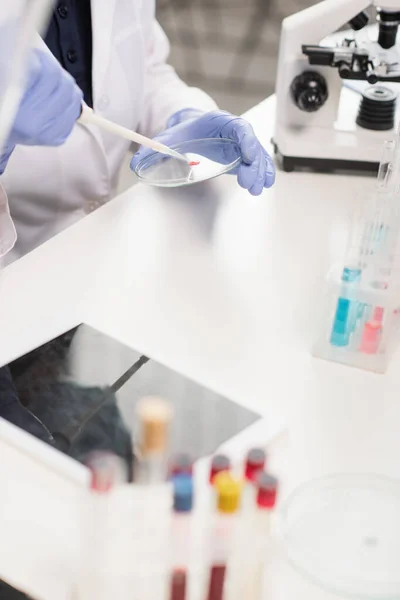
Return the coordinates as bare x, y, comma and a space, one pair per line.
194, 163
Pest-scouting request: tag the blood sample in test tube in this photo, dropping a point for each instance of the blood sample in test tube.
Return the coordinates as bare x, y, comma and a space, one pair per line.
228, 504
255, 462
220, 463
267, 489
182, 464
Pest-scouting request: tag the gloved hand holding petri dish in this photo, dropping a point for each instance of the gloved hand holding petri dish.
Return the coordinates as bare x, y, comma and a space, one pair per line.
214, 143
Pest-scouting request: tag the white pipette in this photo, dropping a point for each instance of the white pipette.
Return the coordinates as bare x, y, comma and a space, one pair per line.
90, 117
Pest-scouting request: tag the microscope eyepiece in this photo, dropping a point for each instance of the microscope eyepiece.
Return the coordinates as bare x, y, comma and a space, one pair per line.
389, 22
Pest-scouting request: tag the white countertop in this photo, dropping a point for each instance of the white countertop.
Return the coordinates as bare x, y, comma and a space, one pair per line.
225, 289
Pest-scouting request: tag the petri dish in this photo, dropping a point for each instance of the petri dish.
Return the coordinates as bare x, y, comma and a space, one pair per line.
215, 156
343, 532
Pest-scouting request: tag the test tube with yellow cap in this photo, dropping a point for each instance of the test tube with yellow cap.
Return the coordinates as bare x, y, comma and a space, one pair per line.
228, 490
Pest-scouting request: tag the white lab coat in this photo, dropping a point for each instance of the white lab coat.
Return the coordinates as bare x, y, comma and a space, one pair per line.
51, 188
8, 234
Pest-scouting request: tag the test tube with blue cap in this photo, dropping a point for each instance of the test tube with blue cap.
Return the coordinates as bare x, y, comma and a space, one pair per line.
181, 534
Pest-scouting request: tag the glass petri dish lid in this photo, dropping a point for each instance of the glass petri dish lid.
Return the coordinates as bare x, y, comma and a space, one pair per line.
215, 156
343, 532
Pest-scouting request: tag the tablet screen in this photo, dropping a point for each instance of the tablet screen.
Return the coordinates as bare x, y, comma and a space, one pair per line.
84, 386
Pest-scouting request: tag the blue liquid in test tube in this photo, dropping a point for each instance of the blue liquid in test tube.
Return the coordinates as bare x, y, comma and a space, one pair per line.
346, 311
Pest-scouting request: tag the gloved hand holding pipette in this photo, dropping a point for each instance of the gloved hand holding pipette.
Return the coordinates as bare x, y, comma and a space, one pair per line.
256, 170
49, 108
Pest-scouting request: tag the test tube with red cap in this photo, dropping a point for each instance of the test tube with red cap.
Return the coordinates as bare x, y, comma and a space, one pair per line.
255, 462
181, 464
249, 584
267, 490
107, 471
219, 464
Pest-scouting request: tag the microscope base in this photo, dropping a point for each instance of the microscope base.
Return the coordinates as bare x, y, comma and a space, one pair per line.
324, 165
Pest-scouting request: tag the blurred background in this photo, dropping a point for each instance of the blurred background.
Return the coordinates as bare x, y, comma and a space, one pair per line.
227, 47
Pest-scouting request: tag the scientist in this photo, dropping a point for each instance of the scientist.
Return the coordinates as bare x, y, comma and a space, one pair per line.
50, 92
116, 52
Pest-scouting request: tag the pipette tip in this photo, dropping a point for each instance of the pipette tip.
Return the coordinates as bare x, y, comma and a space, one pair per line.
173, 153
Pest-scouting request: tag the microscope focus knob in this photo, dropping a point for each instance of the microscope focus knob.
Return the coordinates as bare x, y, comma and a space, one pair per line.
309, 91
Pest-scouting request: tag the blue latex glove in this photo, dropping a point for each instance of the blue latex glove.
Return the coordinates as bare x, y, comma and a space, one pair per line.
256, 171
49, 108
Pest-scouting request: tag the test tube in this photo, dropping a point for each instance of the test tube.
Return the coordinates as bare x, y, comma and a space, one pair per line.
181, 464
371, 337
384, 172
246, 578
255, 462
155, 416
267, 488
267, 491
181, 535
374, 231
396, 162
107, 470
378, 314
228, 503
346, 310
220, 463
384, 179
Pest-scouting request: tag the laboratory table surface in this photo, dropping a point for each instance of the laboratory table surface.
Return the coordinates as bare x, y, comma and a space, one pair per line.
224, 289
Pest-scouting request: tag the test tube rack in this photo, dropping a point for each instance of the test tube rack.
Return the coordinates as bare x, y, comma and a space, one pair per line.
128, 550
88, 533
361, 323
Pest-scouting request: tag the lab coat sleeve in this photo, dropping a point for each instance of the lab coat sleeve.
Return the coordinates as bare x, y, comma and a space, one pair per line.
8, 234
165, 93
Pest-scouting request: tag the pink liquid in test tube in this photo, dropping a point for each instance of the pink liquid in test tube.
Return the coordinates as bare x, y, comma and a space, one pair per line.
371, 337
378, 314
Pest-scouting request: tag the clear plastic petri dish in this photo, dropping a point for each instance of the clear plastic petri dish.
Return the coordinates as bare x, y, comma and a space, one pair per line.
343, 532
215, 156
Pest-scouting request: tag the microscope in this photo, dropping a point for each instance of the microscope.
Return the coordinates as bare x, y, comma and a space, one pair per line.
337, 94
